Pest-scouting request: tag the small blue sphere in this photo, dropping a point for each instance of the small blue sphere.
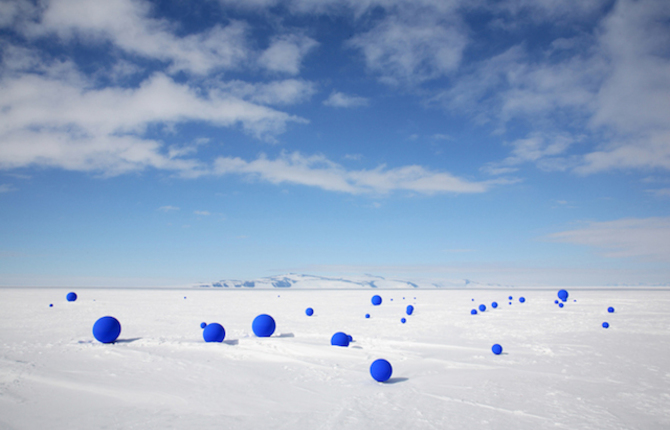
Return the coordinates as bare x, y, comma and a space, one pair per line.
403, 320
522, 299
381, 370
309, 312
563, 295
410, 309
350, 337
71, 297
203, 324
106, 329
376, 300
339, 339
367, 315
473, 312
510, 297
482, 308
610, 309
263, 325
606, 325
494, 305
560, 305
556, 301
214, 332
496, 349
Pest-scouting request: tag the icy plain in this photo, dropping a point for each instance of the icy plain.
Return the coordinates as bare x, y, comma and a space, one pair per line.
560, 369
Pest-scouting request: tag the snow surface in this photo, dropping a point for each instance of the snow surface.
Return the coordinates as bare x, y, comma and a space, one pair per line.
559, 368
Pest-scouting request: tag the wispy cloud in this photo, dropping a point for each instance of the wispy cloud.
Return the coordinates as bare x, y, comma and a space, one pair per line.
7, 188
202, 213
341, 100
286, 52
168, 208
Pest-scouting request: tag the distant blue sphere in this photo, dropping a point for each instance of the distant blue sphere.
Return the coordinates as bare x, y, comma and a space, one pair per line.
106, 329
494, 305
51, 305
482, 308
203, 324
606, 325
497, 349
560, 305
522, 299
410, 309
263, 325
339, 339
610, 309
510, 297
309, 312
367, 315
473, 312
381, 370
71, 297
214, 332
556, 301
403, 320
563, 295
376, 300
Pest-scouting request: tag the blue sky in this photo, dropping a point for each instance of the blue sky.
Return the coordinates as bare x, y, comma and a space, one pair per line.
160, 143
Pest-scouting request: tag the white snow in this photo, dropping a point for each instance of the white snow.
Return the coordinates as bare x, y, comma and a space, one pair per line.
559, 368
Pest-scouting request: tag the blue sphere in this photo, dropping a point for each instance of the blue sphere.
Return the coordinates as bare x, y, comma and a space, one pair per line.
510, 297
522, 299
367, 315
494, 305
606, 325
214, 332
610, 309
560, 305
71, 297
339, 339
376, 300
556, 301
381, 370
350, 337
496, 349
203, 324
563, 295
263, 325
482, 308
106, 329
410, 309
473, 312
309, 312
51, 305
403, 320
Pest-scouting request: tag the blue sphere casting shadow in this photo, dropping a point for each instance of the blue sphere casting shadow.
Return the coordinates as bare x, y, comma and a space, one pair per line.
560, 305
263, 325
473, 312
494, 305
376, 300
522, 299
403, 320
563, 295
214, 332
510, 297
367, 315
496, 349
381, 370
339, 339
203, 324
482, 308
610, 309
309, 312
606, 325
71, 297
410, 309
106, 329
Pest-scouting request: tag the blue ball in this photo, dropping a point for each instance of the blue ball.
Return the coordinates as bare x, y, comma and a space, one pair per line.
563, 295
510, 297
494, 305
381, 370
309, 312
367, 315
71, 297
560, 305
340, 339
482, 308
214, 332
610, 309
376, 300
263, 325
522, 299
606, 325
410, 309
496, 349
556, 301
473, 312
403, 320
106, 329
51, 305
350, 337
203, 324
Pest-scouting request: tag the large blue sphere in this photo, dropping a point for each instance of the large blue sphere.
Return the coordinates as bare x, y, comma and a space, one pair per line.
263, 325
494, 305
214, 332
381, 370
473, 312
482, 308
309, 312
610, 309
410, 309
106, 329
339, 339
563, 295
522, 299
376, 300
71, 297
496, 349
606, 325
367, 315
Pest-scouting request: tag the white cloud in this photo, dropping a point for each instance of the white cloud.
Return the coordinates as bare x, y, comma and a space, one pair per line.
341, 100
7, 188
286, 52
168, 208
202, 213
646, 238
284, 92
318, 171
